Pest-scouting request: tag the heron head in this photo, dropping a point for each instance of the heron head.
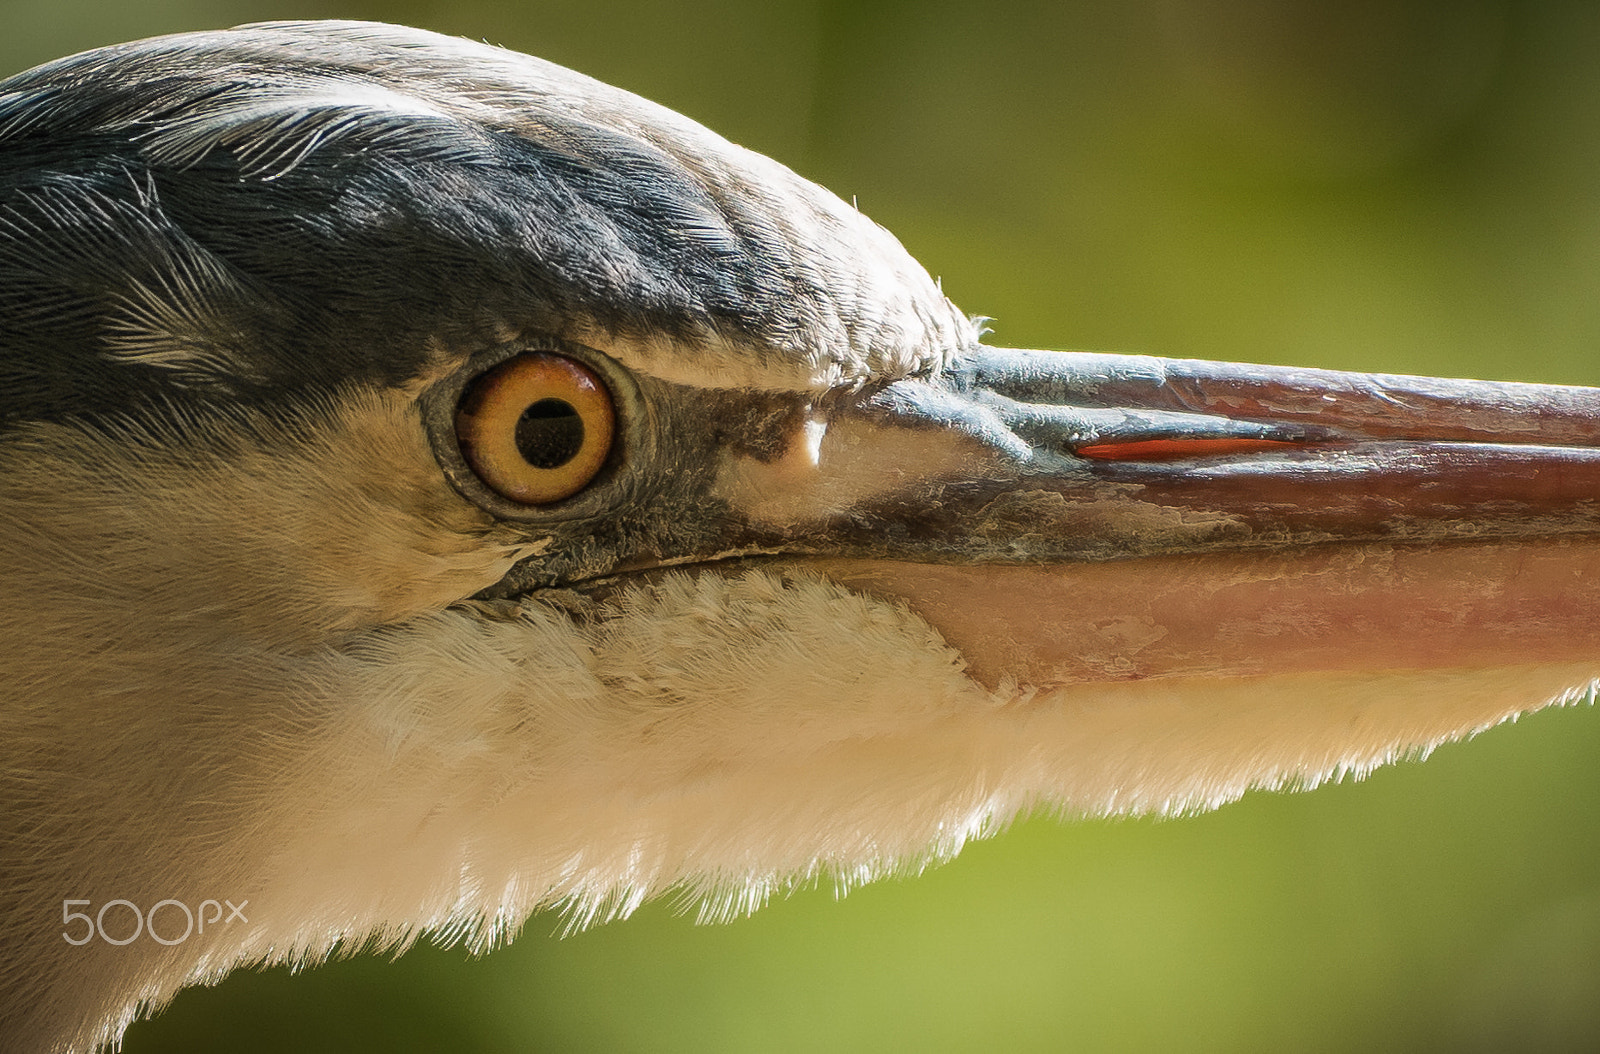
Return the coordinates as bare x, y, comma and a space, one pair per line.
438, 486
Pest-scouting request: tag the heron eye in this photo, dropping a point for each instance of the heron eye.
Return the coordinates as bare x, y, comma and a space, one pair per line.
536, 428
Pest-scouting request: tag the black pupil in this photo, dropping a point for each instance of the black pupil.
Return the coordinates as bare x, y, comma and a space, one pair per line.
549, 433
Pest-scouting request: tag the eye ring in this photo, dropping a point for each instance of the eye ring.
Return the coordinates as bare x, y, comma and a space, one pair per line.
537, 428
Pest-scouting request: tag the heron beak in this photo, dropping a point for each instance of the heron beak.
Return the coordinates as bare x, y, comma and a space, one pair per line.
1064, 517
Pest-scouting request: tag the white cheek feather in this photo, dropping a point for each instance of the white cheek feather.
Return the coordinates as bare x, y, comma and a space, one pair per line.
525, 761
729, 737
505, 761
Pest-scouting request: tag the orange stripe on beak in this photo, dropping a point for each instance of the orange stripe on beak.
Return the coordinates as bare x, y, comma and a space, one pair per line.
1174, 449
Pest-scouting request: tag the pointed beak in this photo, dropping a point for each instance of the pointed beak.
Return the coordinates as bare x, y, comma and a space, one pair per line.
1106, 456
1066, 517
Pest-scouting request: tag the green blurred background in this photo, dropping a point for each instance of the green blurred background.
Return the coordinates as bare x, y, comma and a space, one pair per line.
1403, 186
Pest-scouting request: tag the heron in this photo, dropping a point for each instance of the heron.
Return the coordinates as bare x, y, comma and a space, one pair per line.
439, 486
